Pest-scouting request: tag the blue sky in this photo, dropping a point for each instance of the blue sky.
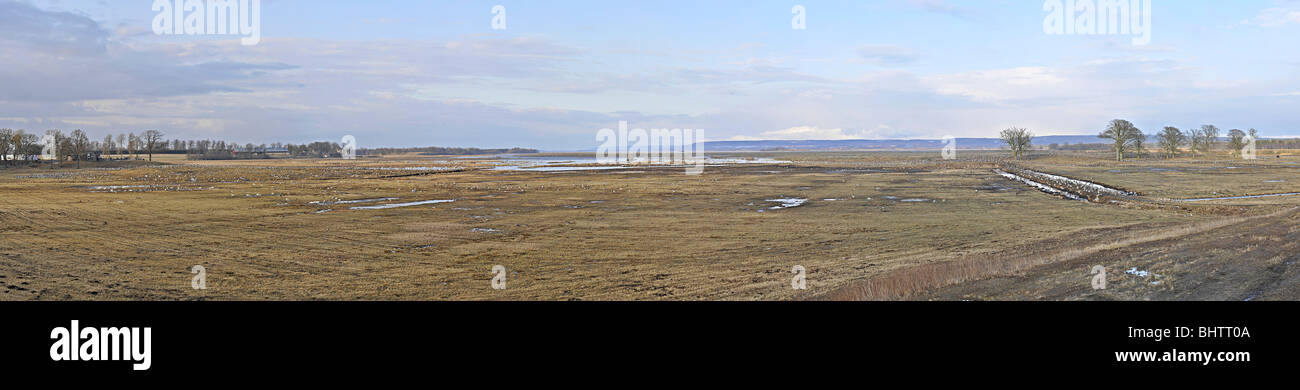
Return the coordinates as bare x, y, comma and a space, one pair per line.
396, 73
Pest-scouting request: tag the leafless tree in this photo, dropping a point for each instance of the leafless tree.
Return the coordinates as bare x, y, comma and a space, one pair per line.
121, 144
107, 145
78, 145
1123, 135
1236, 141
1018, 140
6, 143
1210, 135
133, 144
151, 141
1170, 140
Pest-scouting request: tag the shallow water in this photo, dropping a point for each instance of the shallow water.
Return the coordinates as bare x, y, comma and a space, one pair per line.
1039, 186
410, 168
541, 164
556, 169
117, 187
334, 202
786, 203
1093, 186
396, 205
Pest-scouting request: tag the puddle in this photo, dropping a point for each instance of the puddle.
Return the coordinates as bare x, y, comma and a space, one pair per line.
484, 230
334, 202
146, 188
993, 187
409, 168
761, 160
865, 170
556, 169
1143, 274
552, 164
396, 205
786, 203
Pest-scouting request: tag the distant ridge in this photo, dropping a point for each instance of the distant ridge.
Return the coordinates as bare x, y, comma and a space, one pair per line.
889, 144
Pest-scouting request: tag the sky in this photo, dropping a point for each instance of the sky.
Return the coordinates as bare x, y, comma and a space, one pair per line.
429, 72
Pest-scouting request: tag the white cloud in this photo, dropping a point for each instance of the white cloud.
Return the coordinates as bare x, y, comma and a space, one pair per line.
1276, 17
887, 54
807, 133
1003, 84
939, 6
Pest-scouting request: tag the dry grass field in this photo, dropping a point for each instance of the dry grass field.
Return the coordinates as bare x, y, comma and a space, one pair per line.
875, 225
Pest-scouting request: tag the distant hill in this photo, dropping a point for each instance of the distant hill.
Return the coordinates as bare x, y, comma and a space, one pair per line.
889, 144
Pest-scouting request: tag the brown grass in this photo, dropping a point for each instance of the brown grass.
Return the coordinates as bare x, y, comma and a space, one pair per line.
905, 282
604, 235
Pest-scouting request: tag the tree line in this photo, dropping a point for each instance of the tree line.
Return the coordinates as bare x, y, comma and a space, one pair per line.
76, 145
1124, 137
20, 145
445, 151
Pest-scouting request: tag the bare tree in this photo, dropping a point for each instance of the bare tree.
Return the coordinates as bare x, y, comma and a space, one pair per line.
1139, 142
151, 141
121, 144
22, 144
1195, 137
1236, 141
1170, 140
107, 145
132, 144
78, 145
1210, 135
6, 143
1123, 135
1018, 140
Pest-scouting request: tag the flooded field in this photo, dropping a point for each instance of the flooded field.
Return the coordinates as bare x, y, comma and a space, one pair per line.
908, 225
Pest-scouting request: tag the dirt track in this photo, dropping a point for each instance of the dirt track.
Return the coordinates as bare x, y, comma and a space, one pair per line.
1254, 259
